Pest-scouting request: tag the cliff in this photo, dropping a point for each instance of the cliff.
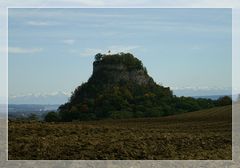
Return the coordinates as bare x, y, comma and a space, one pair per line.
119, 68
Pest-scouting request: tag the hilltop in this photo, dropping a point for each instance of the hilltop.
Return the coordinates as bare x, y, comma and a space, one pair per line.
119, 69
120, 87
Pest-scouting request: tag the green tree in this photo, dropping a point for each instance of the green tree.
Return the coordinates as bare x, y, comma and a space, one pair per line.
224, 101
52, 117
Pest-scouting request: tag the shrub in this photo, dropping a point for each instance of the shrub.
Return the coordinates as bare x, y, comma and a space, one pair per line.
52, 117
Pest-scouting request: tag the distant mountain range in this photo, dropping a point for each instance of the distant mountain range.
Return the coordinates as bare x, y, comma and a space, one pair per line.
215, 97
212, 97
31, 107
54, 98
202, 92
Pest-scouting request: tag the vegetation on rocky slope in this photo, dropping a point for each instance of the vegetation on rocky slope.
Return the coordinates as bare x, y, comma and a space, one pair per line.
120, 87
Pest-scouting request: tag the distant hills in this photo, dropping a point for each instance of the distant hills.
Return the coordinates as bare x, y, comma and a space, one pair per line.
60, 98
32, 107
55, 98
202, 91
212, 97
25, 110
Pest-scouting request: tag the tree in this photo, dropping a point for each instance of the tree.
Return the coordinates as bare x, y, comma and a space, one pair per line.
98, 57
52, 117
224, 101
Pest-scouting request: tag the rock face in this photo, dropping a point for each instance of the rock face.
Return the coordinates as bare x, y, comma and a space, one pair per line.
119, 87
117, 73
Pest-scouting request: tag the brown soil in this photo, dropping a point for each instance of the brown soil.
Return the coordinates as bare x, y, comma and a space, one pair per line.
205, 134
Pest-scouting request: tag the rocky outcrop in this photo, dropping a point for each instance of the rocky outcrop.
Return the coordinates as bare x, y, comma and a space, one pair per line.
119, 87
117, 73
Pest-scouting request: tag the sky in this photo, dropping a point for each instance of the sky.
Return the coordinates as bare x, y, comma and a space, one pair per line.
52, 50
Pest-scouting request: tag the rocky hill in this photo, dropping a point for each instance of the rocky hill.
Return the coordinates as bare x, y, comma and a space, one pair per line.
120, 87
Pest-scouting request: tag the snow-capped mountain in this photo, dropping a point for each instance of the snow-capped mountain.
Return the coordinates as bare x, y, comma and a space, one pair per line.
52, 98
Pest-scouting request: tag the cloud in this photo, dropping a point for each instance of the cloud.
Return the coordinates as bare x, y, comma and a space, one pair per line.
119, 48
40, 23
58, 93
40, 98
35, 15
18, 50
90, 52
68, 41
114, 49
133, 21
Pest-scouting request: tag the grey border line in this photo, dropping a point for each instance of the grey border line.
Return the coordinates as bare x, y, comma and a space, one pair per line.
7, 87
